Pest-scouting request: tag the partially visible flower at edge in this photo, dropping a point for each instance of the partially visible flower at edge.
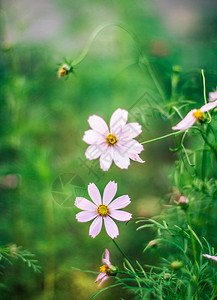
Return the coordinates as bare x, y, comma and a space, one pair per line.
210, 257
213, 96
103, 210
107, 269
115, 144
194, 115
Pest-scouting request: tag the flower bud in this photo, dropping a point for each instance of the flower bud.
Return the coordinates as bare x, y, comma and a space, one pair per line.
112, 271
167, 276
152, 243
183, 202
176, 265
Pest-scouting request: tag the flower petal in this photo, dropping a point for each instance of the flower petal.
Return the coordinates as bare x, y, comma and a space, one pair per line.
132, 146
84, 204
187, 122
93, 137
135, 157
130, 131
94, 194
107, 256
210, 257
98, 124
106, 260
104, 279
100, 276
94, 151
118, 120
86, 216
121, 158
120, 202
111, 227
208, 106
95, 227
212, 96
109, 192
120, 215
106, 159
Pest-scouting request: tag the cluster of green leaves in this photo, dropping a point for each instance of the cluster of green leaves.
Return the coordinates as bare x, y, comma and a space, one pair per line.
12, 252
179, 275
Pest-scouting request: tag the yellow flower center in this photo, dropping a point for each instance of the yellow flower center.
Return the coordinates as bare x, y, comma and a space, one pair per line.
102, 210
62, 72
199, 115
111, 139
103, 269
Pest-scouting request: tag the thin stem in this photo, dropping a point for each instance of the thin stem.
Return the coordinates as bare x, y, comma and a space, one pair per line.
213, 131
207, 142
135, 39
194, 250
204, 86
210, 145
214, 293
124, 255
95, 34
192, 239
203, 161
204, 92
183, 147
146, 62
178, 112
162, 137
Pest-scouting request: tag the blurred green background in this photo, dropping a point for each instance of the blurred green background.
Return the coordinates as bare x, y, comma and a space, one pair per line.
43, 118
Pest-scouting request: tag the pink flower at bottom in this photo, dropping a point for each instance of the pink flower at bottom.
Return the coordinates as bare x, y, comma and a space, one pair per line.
210, 257
103, 210
107, 269
116, 143
194, 115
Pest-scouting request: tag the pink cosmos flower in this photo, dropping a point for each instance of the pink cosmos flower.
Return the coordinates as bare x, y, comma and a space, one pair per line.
210, 257
107, 269
103, 210
213, 96
115, 144
194, 115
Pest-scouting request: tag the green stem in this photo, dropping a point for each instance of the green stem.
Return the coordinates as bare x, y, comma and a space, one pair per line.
207, 142
95, 34
210, 145
214, 293
124, 255
192, 239
137, 278
146, 62
162, 137
203, 162
204, 91
204, 86
135, 39
194, 250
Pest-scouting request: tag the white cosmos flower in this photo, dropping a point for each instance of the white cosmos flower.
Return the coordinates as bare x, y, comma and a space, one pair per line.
103, 209
116, 143
194, 115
